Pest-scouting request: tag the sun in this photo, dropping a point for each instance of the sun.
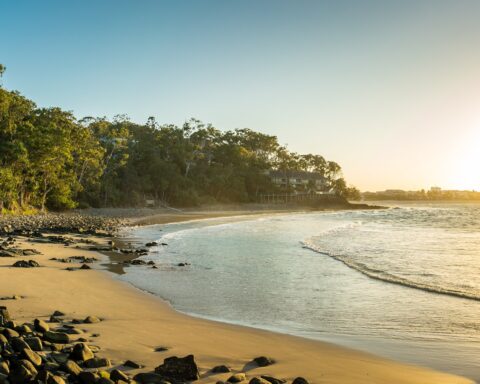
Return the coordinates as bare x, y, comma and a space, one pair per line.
465, 164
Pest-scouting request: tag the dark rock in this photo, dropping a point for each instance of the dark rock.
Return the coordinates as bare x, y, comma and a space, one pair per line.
30, 252
26, 264
4, 316
221, 369
179, 368
58, 314
81, 352
23, 329
151, 244
22, 372
57, 337
71, 331
71, 367
32, 356
18, 344
257, 380
117, 375
105, 380
47, 377
87, 377
131, 364
91, 320
161, 349
10, 333
237, 378
35, 343
41, 326
299, 380
4, 368
263, 361
138, 262
85, 266
273, 380
98, 362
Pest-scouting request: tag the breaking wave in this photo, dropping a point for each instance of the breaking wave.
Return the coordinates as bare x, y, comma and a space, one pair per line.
386, 277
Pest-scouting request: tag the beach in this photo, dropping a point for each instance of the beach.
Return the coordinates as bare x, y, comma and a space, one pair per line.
135, 323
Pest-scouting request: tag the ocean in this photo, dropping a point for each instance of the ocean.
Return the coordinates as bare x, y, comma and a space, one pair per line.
402, 282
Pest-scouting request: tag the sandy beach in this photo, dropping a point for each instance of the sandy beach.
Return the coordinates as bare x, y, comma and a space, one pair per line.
135, 323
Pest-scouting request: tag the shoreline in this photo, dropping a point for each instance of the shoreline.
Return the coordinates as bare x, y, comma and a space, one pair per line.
136, 322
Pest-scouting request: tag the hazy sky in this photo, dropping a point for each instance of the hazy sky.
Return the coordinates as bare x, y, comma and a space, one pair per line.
388, 89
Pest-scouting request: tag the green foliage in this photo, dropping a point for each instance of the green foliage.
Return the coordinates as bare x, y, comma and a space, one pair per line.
48, 159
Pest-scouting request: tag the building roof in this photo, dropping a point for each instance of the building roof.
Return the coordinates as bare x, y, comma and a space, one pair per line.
296, 175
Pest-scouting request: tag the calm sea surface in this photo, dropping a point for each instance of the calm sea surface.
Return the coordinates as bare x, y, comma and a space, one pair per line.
402, 282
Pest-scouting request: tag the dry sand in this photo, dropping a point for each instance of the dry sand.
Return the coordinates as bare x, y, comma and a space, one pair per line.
135, 323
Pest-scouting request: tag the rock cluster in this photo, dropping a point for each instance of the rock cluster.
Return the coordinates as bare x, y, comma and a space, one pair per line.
42, 353
36, 353
59, 223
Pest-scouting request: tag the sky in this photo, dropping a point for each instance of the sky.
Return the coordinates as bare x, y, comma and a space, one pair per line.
388, 89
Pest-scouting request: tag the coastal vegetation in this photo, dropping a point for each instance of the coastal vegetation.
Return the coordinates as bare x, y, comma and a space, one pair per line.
49, 159
434, 194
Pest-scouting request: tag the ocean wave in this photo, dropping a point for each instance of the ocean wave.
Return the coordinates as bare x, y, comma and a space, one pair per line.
378, 274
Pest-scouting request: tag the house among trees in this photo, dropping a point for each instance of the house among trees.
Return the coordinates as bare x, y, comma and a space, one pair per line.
299, 181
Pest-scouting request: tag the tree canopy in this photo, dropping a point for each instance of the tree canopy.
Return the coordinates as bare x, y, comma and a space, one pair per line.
50, 159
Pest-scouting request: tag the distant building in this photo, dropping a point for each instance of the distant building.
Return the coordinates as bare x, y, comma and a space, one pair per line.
298, 180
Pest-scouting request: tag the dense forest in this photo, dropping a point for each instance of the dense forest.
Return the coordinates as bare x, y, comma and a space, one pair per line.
49, 159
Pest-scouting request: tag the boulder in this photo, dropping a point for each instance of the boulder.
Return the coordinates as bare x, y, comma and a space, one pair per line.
273, 380
4, 316
104, 380
57, 337
179, 368
91, 320
257, 380
87, 377
26, 264
117, 375
10, 333
221, 369
47, 377
263, 361
22, 372
41, 326
32, 356
237, 378
4, 368
71, 367
18, 344
23, 329
81, 352
299, 380
35, 343
150, 378
131, 364
97, 362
